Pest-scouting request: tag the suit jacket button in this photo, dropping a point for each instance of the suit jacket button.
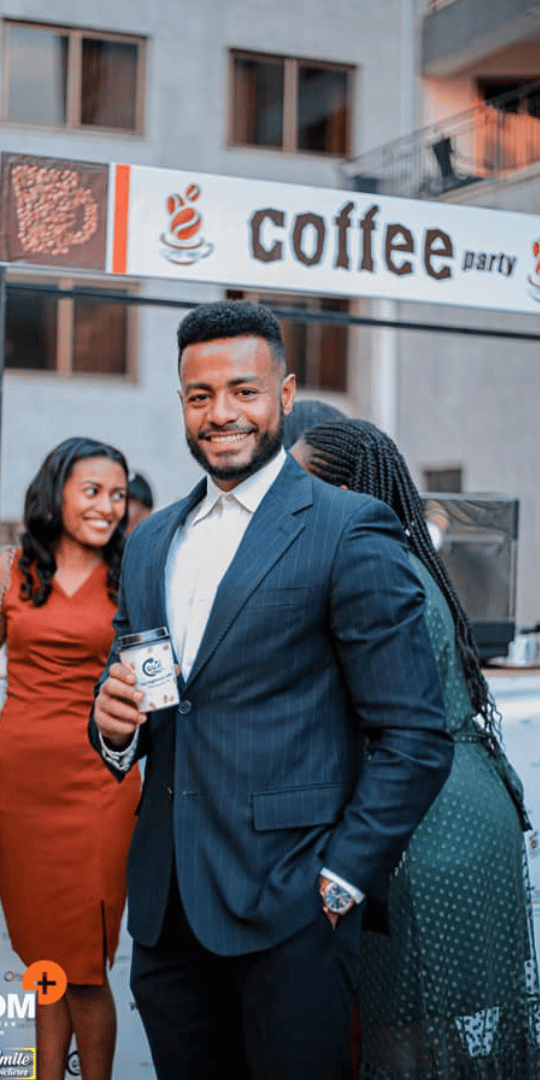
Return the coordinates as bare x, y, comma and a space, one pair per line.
169, 791
184, 707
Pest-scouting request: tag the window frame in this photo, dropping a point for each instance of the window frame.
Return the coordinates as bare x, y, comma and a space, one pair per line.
291, 65
310, 302
75, 34
65, 326
450, 475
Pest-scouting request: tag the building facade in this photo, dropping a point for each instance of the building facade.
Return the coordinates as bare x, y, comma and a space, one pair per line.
287, 93
281, 92
462, 408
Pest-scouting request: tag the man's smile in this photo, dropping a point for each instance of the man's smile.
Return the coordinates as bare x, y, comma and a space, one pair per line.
225, 437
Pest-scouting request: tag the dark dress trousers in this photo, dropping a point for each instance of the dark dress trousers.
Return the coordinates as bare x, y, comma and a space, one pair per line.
255, 781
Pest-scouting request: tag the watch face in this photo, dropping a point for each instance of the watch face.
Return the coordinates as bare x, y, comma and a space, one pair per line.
336, 897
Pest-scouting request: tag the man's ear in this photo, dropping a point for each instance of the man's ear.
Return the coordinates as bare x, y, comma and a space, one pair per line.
288, 390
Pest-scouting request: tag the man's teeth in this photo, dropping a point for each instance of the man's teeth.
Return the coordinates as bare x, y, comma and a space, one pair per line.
233, 437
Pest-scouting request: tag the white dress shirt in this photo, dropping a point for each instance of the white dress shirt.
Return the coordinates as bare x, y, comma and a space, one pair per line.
200, 553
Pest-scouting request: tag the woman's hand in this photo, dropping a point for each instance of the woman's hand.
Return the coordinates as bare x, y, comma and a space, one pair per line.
116, 710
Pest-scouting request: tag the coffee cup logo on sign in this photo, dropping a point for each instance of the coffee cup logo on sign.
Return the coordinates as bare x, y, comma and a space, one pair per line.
54, 211
534, 278
183, 239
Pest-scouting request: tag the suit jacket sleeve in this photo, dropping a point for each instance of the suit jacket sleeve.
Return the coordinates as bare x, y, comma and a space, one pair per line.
121, 627
377, 620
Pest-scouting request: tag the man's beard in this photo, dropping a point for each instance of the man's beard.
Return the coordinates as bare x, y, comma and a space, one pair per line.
267, 448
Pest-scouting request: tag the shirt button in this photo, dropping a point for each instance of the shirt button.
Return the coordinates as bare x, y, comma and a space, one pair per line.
184, 707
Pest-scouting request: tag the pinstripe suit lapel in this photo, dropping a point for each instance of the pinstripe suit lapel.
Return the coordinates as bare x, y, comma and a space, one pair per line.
273, 528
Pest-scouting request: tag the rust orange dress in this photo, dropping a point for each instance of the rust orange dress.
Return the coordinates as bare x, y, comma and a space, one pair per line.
65, 822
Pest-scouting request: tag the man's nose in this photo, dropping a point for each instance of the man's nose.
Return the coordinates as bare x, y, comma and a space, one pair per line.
223, 409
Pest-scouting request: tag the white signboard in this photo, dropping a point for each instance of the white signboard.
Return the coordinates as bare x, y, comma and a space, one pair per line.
260, 235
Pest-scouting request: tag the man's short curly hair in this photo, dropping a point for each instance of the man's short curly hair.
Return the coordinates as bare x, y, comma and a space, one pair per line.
230, 319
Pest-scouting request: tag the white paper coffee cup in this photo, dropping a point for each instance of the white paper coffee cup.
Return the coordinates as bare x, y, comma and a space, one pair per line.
150, 657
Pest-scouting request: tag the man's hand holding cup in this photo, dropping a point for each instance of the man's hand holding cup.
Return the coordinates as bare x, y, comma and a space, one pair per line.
116, 710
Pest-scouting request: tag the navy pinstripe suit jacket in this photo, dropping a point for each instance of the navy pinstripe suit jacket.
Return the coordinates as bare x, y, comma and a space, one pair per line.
316, 636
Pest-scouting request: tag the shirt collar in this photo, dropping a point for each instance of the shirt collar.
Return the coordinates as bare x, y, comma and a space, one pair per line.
250, 493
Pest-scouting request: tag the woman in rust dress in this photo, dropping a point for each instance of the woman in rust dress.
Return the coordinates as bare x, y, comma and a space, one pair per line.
65, 823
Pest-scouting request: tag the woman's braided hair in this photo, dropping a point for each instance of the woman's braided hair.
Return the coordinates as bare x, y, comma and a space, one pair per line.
357, 455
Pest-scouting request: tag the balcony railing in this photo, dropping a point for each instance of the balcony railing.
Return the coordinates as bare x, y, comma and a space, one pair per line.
486, 142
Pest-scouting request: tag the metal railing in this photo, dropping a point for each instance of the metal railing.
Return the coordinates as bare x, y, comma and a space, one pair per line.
486, 142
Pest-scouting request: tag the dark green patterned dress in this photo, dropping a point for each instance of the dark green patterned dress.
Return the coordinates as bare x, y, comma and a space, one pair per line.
453, 993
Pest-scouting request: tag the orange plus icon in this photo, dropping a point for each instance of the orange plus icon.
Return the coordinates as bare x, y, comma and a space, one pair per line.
48, 979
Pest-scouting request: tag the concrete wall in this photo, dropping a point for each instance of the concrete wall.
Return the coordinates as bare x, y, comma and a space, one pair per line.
186, 127
188, 72
474, 401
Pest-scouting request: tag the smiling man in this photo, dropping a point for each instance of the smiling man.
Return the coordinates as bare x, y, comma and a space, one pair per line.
298, 627
235, 395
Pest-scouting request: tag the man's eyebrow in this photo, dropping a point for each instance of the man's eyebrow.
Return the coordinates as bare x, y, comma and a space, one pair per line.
246, 378
198, 386
233, 382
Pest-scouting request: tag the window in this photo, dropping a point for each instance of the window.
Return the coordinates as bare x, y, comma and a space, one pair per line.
317, 352
507, 125
68, 336
511, 95
66, 77
443, 480
292, 105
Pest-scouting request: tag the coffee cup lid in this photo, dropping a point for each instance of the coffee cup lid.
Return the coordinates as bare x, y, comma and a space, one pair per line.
145, 637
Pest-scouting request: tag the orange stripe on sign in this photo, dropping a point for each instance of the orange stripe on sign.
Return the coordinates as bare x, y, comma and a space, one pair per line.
121, 206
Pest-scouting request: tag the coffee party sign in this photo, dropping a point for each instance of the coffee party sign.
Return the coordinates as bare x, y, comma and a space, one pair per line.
147, 222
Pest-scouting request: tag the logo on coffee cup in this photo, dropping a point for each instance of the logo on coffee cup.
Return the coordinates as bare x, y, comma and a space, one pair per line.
183, 239
152, 666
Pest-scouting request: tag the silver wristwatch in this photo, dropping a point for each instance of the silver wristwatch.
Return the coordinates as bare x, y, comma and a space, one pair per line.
336, 897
